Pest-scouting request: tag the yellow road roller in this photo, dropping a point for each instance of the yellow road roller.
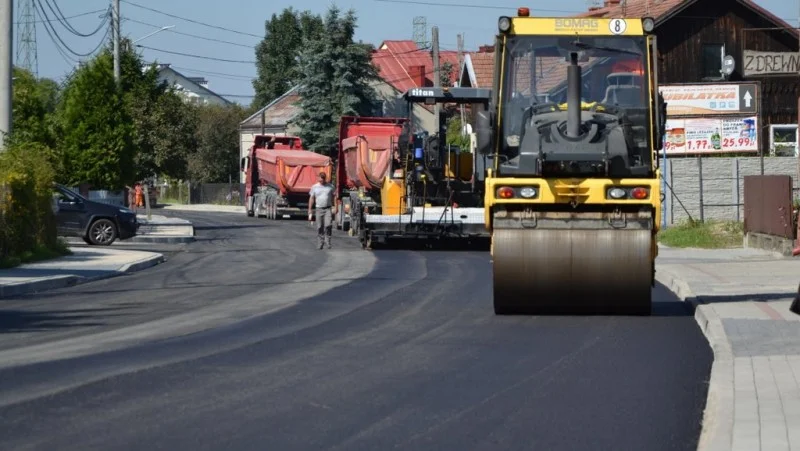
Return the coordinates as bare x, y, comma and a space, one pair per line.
573, 192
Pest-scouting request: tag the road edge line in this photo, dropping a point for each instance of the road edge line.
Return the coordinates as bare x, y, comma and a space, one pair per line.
718, 415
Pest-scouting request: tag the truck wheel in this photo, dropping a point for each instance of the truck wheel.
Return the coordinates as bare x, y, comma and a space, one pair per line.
249, 203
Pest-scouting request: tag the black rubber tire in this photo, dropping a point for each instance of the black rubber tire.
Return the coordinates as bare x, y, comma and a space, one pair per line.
102, 232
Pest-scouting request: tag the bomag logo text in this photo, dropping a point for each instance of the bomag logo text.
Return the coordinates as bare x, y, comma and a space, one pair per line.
576, 23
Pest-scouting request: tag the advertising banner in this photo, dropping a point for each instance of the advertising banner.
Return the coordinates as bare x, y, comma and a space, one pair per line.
711, 99
704, 135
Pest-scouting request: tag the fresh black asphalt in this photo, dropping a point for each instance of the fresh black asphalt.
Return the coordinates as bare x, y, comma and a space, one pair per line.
410, 356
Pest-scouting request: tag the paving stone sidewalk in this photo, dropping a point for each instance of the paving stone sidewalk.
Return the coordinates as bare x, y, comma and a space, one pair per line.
84, 265
743, 298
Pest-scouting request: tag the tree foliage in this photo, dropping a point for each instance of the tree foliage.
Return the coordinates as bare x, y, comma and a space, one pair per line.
276, 54
97, 144
34, 105
335, 75
217, 137
27, 220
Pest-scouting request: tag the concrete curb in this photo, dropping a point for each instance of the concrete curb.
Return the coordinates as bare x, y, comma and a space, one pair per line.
717, 432
161, 239
55, 283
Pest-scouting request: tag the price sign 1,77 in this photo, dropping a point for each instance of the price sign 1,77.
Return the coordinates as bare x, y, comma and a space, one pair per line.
698, 144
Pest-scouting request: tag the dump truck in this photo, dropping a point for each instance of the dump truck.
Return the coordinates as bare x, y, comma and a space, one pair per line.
279, 174
573, 197
395, 183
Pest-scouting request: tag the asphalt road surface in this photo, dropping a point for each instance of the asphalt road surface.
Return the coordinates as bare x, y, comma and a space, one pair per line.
281, 346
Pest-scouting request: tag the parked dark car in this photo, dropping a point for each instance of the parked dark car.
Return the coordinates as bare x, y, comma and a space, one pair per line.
97, 223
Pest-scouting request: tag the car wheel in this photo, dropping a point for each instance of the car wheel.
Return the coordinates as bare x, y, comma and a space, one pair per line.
102, 232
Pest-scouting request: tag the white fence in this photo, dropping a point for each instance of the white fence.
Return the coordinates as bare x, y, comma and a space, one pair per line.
106, 197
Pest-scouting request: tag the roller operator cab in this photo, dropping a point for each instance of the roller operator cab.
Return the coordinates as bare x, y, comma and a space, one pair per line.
572, 195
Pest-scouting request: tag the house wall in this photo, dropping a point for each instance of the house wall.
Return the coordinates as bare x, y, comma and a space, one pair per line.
682, 38
394, 105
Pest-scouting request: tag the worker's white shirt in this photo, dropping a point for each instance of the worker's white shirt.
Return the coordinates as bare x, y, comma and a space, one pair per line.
323, 195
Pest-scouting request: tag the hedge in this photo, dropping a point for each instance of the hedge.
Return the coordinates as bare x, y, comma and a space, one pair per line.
27, 220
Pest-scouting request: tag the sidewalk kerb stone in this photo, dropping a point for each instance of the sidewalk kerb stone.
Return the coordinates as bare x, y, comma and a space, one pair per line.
56, 282
143, 264
718, 415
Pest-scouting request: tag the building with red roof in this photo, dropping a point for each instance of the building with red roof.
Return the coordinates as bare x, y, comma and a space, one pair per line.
403, 66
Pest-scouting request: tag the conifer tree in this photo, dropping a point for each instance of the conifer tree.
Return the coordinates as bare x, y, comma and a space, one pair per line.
335, 76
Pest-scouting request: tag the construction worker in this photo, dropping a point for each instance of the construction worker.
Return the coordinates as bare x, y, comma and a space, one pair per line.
321, 197
139, 195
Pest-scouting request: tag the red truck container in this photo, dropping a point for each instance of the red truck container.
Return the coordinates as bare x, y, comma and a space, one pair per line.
278, 176
367, 147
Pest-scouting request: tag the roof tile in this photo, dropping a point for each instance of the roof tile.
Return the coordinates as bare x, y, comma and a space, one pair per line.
394, 60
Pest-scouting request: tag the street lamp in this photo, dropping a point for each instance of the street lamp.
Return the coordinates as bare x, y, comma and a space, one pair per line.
155, 32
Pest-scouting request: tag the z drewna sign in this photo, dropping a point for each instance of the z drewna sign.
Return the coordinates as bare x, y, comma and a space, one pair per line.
771, 63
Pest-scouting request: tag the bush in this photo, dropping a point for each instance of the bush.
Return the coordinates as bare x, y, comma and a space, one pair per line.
27, 220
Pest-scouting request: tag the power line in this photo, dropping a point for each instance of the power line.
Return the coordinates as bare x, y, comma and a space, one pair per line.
54, 8
56, 38
219, 74
196, 56
68, 17
454, 5
193, 21
190, 35
205, 72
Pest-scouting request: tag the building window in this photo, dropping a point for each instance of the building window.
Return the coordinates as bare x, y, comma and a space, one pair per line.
713, 54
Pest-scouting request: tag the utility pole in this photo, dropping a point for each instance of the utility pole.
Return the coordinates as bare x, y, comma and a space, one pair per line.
436, 76
115, 31
460, 66
6, 65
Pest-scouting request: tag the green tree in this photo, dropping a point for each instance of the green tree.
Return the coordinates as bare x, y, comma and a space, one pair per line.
217, 137
96, 129
276, 54
34, 104
164, 124
454, 136
335, 77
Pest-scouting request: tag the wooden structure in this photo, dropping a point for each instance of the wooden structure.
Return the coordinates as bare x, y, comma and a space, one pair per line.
693, 37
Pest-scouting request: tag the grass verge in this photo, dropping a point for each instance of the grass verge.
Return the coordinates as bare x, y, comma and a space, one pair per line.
705, 235
38, 254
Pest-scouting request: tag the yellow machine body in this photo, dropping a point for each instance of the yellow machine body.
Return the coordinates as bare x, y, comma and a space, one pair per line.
393, 196
571, 243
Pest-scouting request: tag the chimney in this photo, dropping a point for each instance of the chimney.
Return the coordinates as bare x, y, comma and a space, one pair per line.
417, 74
486, 49
609, 3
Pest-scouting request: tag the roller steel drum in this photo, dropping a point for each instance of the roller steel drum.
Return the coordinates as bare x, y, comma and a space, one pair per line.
572, 271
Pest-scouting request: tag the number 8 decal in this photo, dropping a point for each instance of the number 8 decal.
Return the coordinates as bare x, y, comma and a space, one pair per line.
617, 26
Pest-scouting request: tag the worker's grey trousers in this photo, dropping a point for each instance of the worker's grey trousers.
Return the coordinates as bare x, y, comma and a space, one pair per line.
324, 226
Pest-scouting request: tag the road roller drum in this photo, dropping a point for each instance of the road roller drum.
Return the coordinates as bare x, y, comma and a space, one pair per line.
540, 271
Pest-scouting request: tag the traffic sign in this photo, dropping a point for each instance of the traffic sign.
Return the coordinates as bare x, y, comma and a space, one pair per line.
748, 98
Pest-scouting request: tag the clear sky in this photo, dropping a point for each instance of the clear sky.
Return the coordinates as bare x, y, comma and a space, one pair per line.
241, 24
